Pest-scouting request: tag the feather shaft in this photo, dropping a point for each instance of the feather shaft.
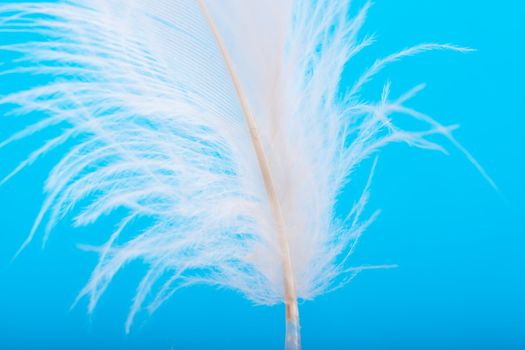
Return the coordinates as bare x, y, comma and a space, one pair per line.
292, 310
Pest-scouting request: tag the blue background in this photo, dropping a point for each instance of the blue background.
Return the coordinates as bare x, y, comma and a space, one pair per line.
459, 244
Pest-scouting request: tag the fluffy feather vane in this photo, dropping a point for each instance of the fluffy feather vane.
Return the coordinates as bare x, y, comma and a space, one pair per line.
222, 122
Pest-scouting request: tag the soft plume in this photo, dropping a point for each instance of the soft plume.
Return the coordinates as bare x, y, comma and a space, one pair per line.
157, 102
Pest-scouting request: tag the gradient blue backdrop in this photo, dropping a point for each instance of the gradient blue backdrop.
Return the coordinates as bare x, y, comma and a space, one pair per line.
459, 244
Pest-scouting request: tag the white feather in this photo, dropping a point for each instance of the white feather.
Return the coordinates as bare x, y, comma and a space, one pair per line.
159, 129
